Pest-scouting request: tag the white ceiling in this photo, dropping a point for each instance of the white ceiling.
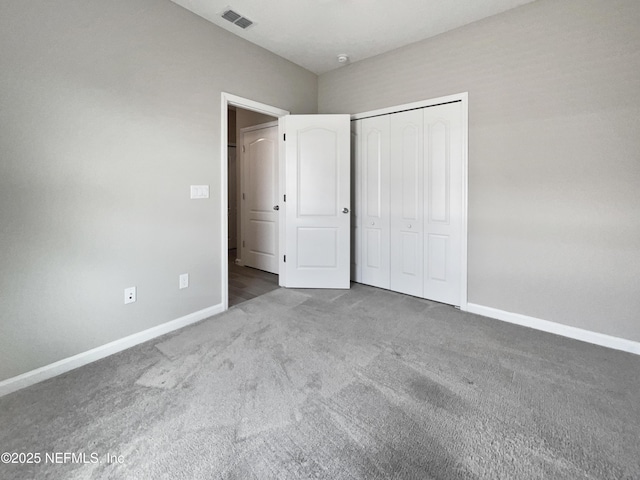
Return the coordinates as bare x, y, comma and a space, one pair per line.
311, 33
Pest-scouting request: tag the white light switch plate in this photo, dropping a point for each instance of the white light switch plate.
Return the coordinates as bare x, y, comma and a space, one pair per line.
184, 281
199, 191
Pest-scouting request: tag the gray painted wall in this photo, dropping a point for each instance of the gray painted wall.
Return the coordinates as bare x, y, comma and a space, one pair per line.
109, 110
554, 152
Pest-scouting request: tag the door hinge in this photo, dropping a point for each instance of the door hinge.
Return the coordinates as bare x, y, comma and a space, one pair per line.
285, 259
285, 137
243, 150
285, 198
243, 196
242, 243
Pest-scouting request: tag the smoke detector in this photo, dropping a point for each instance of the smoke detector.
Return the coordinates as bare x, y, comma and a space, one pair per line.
343, 58
236, 18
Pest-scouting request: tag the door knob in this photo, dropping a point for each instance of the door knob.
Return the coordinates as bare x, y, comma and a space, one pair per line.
345, 210
276, 207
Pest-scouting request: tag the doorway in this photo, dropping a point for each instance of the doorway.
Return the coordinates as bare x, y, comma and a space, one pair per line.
239, 283
253, 191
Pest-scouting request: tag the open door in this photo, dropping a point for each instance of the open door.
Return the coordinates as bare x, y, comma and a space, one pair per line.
316, 251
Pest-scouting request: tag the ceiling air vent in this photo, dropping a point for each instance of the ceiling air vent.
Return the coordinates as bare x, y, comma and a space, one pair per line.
231, 16
244, 22
236, 18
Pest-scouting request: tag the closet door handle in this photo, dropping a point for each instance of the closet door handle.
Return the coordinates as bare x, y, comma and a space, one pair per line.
345, 210
276, 207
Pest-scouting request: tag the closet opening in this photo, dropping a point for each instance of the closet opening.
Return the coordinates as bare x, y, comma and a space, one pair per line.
410, 233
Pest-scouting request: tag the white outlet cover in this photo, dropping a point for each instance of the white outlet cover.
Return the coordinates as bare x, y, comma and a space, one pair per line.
129, 295
199, 191
183, 281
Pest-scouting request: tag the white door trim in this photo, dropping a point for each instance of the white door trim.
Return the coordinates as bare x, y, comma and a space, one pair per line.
259, 127
227, 99
413, 105
464, 99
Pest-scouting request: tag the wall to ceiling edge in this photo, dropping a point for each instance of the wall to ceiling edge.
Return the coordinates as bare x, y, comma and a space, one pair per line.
109, 111
554, 152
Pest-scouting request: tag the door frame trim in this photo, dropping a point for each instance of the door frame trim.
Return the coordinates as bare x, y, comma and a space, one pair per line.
226, 100
464, 99
258, 127
432, 102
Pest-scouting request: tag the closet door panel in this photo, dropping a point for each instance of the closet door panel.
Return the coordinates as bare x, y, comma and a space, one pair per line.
406, 225
443, 197
356, 204
410, 253
374, 164
437, 181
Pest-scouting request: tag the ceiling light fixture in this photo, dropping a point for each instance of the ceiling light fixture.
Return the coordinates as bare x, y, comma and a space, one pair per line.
343, 58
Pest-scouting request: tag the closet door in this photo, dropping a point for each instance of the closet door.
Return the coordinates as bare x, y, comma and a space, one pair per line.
356, 201
407, 202
374, 235
443, 202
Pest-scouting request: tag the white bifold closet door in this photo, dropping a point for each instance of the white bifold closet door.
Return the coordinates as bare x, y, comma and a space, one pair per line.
374, 212
443, 202
355, 196
406, 196
410, 213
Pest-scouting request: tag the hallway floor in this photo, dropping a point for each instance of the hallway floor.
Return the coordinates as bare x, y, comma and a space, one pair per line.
246, 283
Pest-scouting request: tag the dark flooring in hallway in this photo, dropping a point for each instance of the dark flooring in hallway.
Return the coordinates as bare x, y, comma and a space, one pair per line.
246, 283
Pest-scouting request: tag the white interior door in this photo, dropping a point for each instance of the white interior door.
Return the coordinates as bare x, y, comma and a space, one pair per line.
317, 208
443, 202
259, 198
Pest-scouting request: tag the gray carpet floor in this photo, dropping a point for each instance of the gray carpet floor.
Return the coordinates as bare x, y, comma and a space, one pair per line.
358, 384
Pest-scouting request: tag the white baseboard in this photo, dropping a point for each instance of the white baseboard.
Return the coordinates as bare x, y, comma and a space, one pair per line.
588, 336
62, 366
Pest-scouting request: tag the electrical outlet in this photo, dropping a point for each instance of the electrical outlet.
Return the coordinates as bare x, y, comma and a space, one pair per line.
129, 295
184, 280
